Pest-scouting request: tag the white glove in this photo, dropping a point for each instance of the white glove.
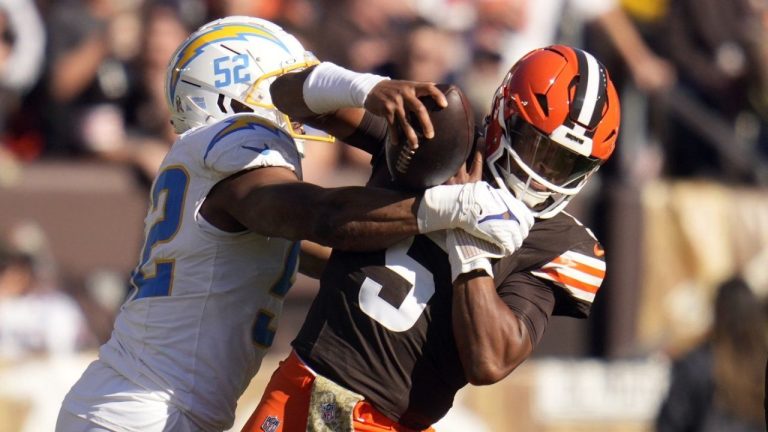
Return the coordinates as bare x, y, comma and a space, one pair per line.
467, 253
479, 209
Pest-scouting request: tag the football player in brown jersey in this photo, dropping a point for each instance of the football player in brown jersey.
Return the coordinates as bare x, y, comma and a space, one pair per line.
393, 335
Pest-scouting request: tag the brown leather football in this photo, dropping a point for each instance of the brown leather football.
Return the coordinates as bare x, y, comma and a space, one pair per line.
436, 159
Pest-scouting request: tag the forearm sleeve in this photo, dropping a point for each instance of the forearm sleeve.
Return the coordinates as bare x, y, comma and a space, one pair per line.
370, 135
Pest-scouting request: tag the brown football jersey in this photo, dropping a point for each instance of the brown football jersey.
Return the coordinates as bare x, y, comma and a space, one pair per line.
381, 322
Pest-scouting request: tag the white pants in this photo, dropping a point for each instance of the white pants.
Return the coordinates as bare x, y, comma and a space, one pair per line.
103, 400
68, 422
71, 423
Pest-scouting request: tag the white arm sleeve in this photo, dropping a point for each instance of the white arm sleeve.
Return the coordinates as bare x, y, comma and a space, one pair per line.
329, 87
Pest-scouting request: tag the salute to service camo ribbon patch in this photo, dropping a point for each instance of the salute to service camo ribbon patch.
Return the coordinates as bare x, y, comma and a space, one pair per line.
331, 407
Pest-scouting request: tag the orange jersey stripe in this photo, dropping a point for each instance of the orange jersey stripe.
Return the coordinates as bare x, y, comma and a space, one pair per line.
570, 282
567, 262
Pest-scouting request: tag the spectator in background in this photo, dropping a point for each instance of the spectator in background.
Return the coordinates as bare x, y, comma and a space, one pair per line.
506, 29
21, 62
421, 52
718, 385
21, 52
357, 33
35, 318
148, 131
718, 47
425, 52
87, 80
541, 22
106, 81
296, 16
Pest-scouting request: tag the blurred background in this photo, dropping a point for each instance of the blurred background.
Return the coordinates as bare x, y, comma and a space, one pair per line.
677, 337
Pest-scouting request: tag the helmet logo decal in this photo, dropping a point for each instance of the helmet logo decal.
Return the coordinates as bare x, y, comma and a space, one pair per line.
215, 34
240, 123
199, 101
573, 137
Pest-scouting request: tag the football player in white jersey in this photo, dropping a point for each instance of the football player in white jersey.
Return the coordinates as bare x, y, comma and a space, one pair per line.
227, 212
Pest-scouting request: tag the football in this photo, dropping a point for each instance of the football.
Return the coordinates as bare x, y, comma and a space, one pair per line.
437, 159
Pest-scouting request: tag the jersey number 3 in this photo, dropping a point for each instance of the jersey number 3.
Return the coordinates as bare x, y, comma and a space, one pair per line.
422, 287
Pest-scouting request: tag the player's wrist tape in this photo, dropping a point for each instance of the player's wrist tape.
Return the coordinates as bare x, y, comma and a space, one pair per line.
329, 87
483, 264
467, 253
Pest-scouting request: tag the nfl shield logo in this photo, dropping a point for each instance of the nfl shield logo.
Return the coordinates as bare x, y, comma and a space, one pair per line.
329, 412
270, 424
199, 101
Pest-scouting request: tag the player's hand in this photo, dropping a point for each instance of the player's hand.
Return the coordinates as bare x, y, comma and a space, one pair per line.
481, 210
392, 99
496, 216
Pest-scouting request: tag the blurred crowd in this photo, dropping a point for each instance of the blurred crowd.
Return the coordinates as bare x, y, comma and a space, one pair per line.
83, 80
37, 318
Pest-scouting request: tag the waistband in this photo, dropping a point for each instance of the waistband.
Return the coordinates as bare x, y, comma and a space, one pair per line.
299, 374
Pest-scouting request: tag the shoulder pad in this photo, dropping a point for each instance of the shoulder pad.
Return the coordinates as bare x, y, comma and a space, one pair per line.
248, 141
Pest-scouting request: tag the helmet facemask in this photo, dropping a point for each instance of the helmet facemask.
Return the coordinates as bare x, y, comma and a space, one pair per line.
539, 171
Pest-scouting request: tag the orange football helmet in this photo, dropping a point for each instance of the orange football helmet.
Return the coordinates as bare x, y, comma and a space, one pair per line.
554, 121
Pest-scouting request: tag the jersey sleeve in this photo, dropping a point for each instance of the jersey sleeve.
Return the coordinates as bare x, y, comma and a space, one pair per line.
246, 142
531, 299
578, 273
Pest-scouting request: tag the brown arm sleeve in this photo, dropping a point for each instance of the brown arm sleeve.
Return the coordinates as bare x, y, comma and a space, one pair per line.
492, 339
531, 299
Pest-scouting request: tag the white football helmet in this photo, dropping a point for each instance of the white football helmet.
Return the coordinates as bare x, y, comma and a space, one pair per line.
226, 67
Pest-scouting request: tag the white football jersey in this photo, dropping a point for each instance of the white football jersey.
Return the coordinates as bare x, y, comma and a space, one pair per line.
206, 303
